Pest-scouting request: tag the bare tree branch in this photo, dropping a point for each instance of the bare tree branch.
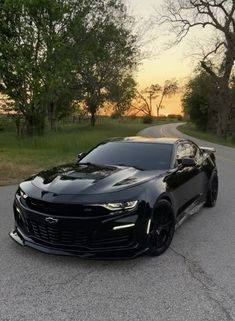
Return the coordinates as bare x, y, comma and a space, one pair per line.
218, 45
208, 69
219, 15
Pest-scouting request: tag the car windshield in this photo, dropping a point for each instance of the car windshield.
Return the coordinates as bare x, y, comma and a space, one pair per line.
141, 155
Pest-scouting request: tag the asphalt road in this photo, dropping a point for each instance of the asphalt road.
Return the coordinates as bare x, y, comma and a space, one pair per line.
193, 281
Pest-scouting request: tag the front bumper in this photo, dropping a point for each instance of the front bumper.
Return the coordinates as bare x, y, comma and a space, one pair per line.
132, 252
82, 237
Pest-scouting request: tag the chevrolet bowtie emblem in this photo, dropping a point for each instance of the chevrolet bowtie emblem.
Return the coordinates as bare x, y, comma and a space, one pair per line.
51, 220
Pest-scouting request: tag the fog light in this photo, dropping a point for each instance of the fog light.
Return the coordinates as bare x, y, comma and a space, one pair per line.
18, 210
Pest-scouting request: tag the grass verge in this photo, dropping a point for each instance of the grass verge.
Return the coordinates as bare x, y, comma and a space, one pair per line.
191, 130
23, 156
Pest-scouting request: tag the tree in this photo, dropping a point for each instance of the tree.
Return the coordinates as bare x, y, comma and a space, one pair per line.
121, 95
145, 98
142, 103
169, 89
54, 52
198, 101
108, 56
34, 61
218, 15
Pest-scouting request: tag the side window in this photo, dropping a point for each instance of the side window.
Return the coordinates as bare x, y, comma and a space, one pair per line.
180, 151
192, 151
196, 153
187, 150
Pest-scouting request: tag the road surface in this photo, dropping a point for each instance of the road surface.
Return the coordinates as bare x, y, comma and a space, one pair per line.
193, 281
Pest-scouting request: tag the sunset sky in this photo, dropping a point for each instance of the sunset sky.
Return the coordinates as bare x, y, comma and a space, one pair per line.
173, 63
160, 63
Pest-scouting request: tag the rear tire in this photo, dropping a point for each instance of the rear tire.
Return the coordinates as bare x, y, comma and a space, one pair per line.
212, 191
162, 228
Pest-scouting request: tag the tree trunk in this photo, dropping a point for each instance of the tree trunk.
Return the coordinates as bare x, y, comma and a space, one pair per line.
40, 125
223, 121
225, 102
160, 103
51, 115
93, 120
158, 111
35, 124
17, 122
29, 125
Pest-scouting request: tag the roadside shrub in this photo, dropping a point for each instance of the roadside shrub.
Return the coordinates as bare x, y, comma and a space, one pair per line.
233, 139
116, 115
147, 119
175, 116
132, 117
1, 124
162, 117
4, 122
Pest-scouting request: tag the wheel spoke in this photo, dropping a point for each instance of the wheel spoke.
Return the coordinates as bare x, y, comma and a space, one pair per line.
164, 226
154, 238
214, 189
161, 229
160, 233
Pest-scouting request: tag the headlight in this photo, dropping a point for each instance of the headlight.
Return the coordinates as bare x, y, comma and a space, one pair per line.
21, 193
120, 206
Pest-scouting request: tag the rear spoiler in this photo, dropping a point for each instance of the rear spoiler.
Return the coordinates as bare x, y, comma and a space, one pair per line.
208, 149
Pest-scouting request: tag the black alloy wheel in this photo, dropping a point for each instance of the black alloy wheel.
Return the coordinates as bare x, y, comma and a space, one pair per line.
162, 228
212, 191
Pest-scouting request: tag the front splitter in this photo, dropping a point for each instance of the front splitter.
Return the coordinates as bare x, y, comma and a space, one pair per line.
119, 254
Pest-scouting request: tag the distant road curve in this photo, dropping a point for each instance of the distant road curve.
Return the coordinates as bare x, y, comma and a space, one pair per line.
223, 153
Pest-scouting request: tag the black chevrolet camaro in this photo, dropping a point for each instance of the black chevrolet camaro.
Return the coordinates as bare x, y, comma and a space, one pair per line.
123, 198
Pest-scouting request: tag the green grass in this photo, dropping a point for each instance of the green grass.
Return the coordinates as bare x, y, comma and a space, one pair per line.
23, 156
191, 130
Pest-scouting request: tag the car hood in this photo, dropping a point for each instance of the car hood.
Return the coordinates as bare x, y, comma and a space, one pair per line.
90, 178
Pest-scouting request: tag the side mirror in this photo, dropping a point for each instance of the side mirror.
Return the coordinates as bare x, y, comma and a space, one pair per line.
80, 156
187, 162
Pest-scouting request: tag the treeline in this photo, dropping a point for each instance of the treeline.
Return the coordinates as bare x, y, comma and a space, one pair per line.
60, 54
209, 97
204, 104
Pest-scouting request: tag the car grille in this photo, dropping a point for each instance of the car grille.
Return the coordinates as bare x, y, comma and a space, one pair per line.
57, 235
59, 209
76, 238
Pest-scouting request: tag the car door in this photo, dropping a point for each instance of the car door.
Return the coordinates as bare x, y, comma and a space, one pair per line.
201, 179
186, 183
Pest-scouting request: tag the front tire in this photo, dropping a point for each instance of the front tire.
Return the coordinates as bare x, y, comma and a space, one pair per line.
212, 190
162, 228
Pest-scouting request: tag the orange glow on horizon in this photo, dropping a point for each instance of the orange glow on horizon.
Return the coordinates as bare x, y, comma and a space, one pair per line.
177, 62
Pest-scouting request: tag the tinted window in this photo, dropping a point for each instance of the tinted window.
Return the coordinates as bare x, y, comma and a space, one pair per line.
181, 151
142, 155
196, 154
188, 150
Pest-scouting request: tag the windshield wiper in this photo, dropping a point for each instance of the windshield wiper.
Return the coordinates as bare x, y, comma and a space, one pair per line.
97, 165
136, 167
88, 163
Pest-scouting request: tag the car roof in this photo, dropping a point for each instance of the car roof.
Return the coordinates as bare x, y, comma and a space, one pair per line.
142, 139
